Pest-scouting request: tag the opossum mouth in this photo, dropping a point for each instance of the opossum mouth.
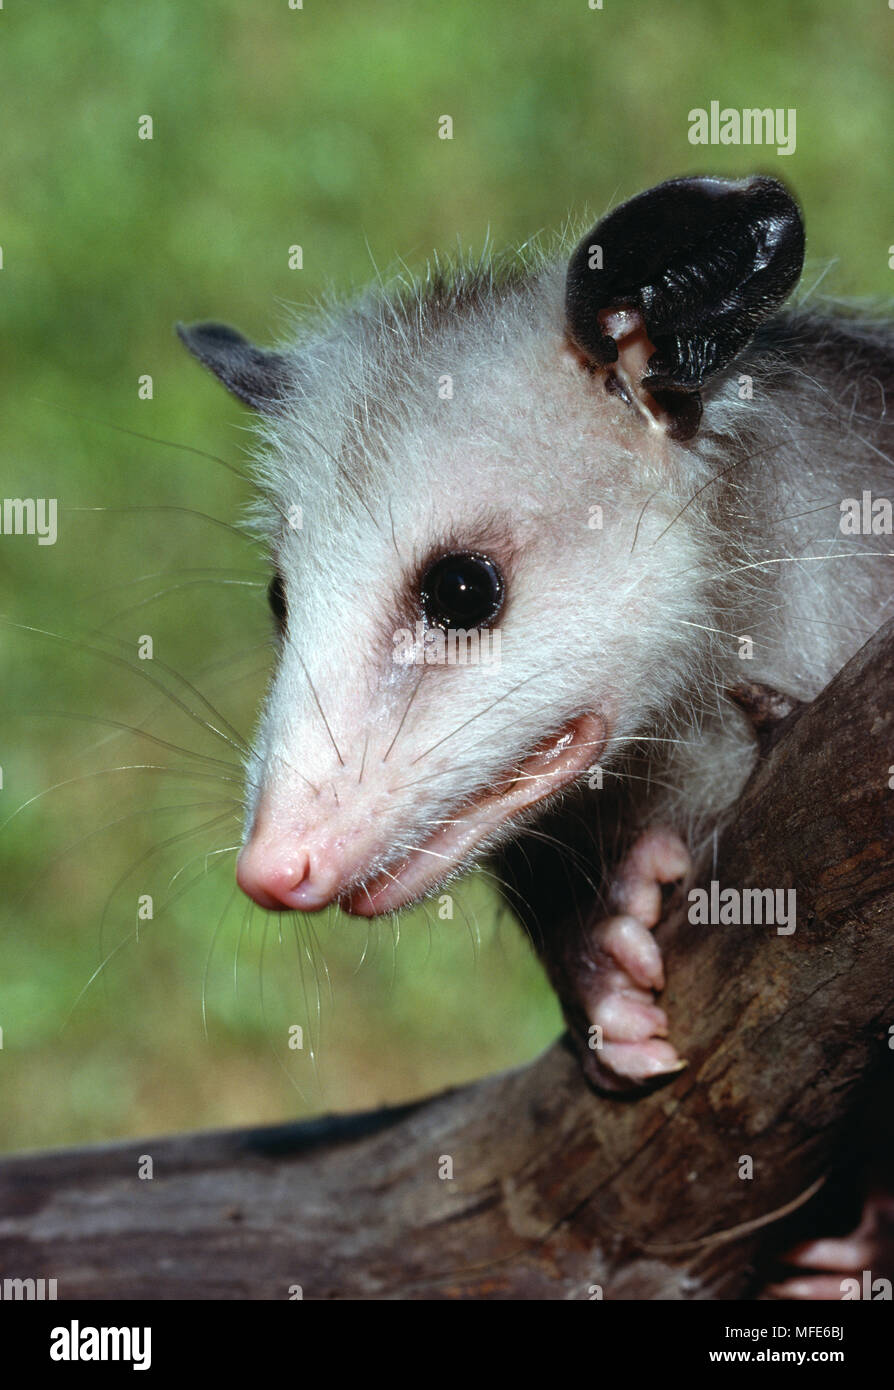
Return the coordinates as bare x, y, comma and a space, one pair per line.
475, 825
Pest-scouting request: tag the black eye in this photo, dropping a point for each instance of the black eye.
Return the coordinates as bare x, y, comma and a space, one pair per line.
464, 590
276, 597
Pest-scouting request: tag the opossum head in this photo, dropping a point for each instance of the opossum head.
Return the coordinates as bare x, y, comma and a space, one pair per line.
485, 570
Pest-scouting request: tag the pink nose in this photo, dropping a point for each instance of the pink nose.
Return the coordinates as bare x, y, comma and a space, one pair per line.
277, 874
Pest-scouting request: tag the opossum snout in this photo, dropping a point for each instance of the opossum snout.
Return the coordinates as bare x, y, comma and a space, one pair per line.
279, 872
276, 875
340, 853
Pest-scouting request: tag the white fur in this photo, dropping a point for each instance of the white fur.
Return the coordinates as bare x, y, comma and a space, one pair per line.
640, 621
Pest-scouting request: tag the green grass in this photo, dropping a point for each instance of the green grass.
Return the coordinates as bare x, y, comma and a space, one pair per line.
273, 127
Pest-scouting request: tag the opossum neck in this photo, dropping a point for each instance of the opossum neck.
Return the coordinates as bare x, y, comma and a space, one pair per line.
820, 434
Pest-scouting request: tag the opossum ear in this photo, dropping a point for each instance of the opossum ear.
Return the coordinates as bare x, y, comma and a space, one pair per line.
685, 273
260, 378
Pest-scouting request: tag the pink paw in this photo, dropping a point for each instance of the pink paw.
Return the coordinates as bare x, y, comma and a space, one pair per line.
627, 1029
854, 1265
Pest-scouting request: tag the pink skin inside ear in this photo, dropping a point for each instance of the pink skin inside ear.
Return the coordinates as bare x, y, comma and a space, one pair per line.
627, 327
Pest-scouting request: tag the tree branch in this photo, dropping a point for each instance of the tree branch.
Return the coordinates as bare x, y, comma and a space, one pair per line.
554, 1189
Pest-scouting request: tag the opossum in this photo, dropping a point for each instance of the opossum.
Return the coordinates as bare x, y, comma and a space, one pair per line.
630, 467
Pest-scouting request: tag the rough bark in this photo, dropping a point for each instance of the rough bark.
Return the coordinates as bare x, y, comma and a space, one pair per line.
555, 1189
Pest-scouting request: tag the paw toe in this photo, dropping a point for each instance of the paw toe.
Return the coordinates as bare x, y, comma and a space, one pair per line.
822, 1288
627, 1019
641, 1061
632, 947
657, 857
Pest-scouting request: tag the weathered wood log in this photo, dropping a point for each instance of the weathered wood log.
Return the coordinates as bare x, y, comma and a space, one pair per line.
554, 1189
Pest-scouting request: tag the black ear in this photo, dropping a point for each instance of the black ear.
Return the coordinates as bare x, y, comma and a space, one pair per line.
702, 262
261, 379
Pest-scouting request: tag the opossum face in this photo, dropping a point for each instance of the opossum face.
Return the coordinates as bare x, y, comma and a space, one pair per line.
484, 562
459, 645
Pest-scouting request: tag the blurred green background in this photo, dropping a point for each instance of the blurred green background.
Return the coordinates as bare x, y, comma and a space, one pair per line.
275, 126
